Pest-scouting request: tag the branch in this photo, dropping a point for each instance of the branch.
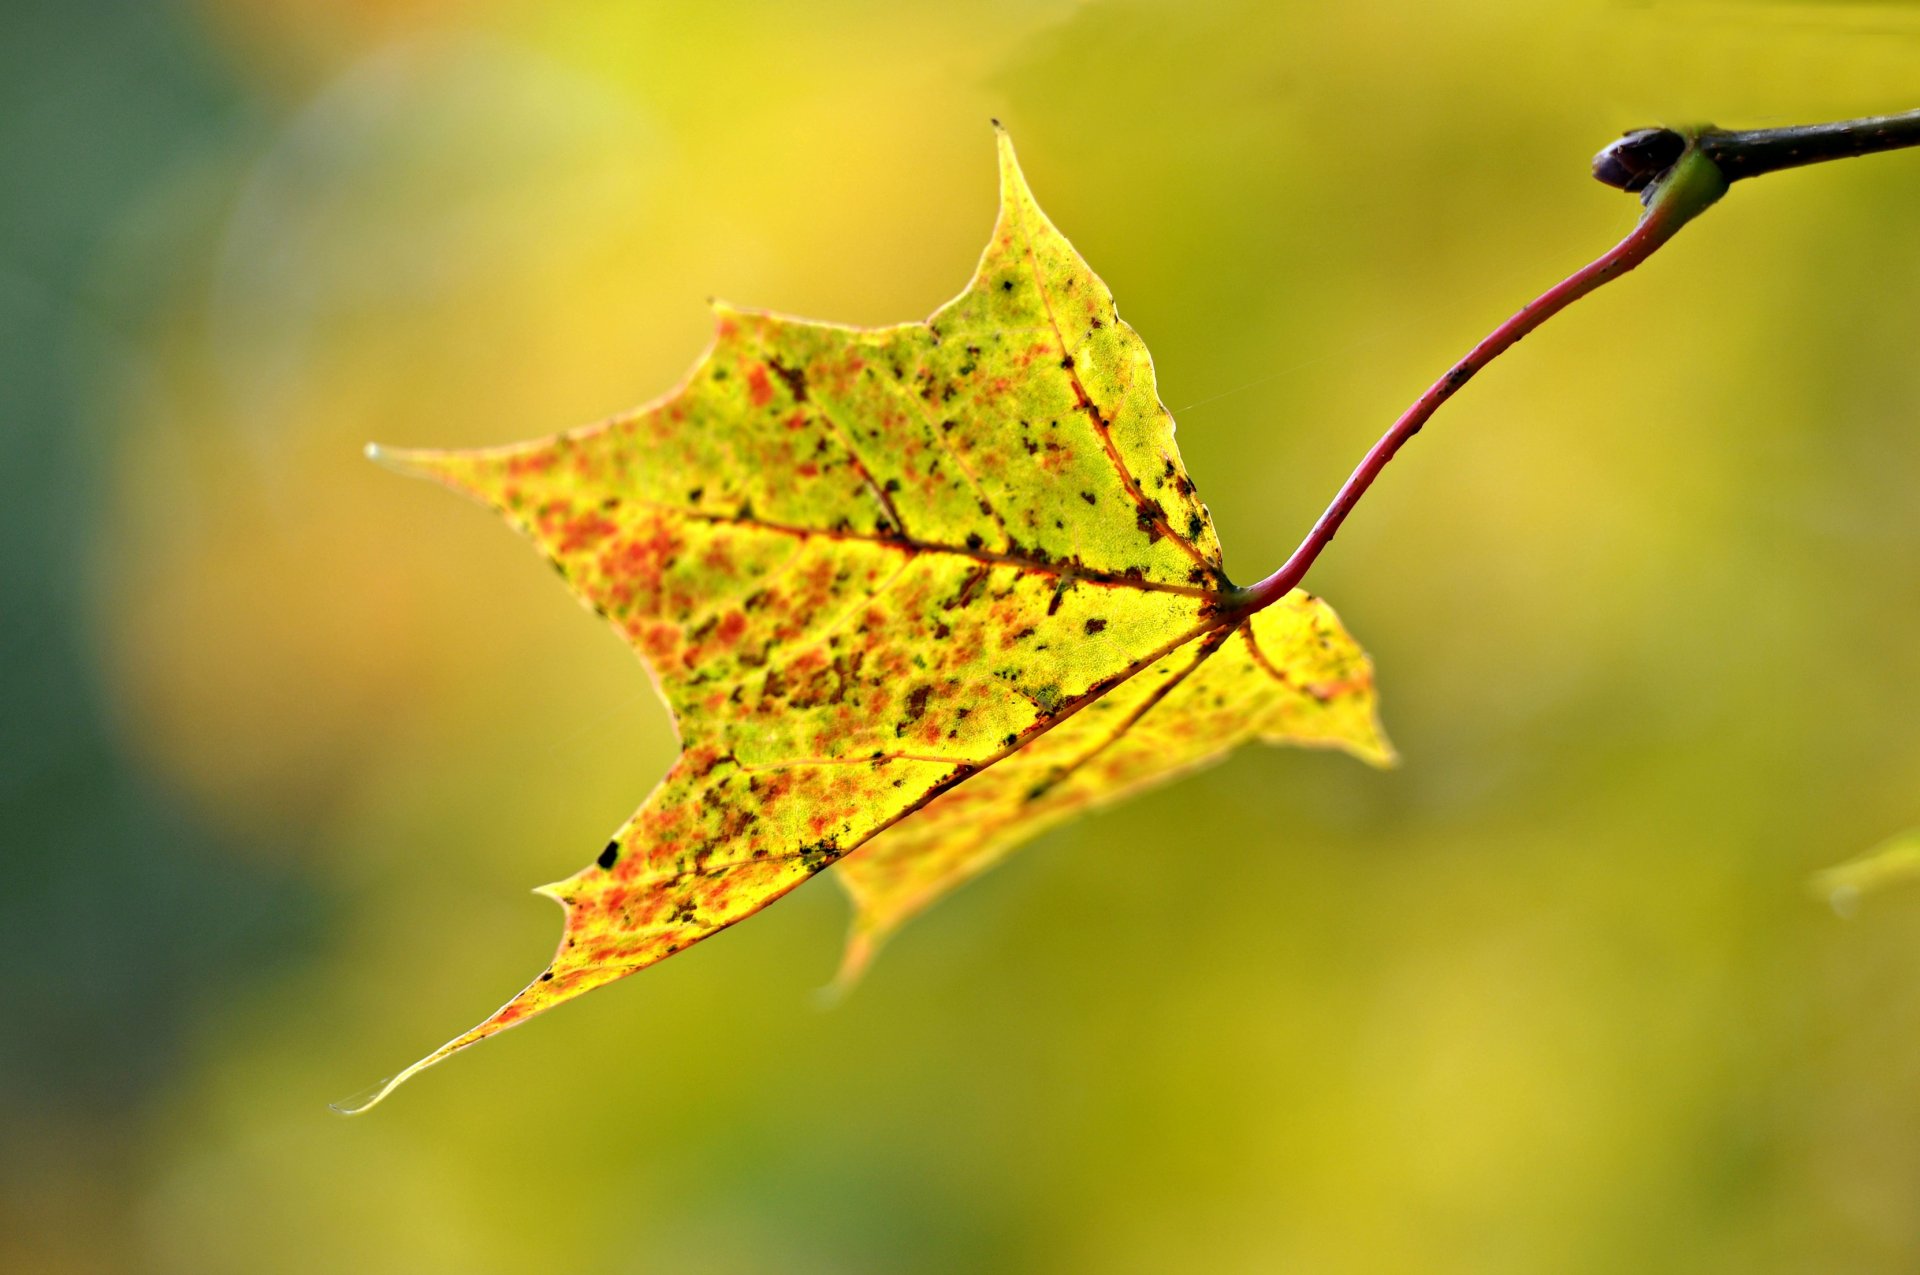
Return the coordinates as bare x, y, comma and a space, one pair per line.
1754, 152
1680, 174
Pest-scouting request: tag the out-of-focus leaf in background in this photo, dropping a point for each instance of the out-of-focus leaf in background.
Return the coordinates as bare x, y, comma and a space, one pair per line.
1894, 860
1550, 997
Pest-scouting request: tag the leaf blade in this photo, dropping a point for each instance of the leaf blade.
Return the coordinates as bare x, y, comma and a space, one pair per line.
866, 567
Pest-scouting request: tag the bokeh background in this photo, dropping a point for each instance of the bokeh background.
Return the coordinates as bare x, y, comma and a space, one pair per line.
286, 738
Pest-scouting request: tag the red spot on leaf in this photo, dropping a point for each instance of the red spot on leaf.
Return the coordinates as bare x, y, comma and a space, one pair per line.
531, 463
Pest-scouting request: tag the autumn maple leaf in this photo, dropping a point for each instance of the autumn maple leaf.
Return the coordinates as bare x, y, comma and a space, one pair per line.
912, 594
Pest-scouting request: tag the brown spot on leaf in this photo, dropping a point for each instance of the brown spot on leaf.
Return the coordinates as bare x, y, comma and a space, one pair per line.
795, 379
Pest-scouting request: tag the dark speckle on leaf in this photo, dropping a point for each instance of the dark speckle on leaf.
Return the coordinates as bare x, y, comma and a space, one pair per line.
795, 379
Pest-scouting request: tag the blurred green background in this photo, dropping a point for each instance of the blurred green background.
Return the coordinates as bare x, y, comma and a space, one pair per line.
286, 739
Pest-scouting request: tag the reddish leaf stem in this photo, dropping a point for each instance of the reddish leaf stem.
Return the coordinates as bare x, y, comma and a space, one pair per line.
1692, 186
1712, 159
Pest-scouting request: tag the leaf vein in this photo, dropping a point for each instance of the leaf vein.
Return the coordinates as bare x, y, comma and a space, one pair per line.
1100, 427
906, 545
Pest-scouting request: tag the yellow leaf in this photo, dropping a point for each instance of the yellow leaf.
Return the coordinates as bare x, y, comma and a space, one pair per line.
912, 594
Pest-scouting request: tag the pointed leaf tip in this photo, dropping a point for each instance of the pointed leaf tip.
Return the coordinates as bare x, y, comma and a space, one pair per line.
1013, 181
368, 1098
460, 470
853, 967
401, 460
1845, 885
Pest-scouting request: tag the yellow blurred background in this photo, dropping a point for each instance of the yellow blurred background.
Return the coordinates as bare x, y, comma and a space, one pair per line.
287, 738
